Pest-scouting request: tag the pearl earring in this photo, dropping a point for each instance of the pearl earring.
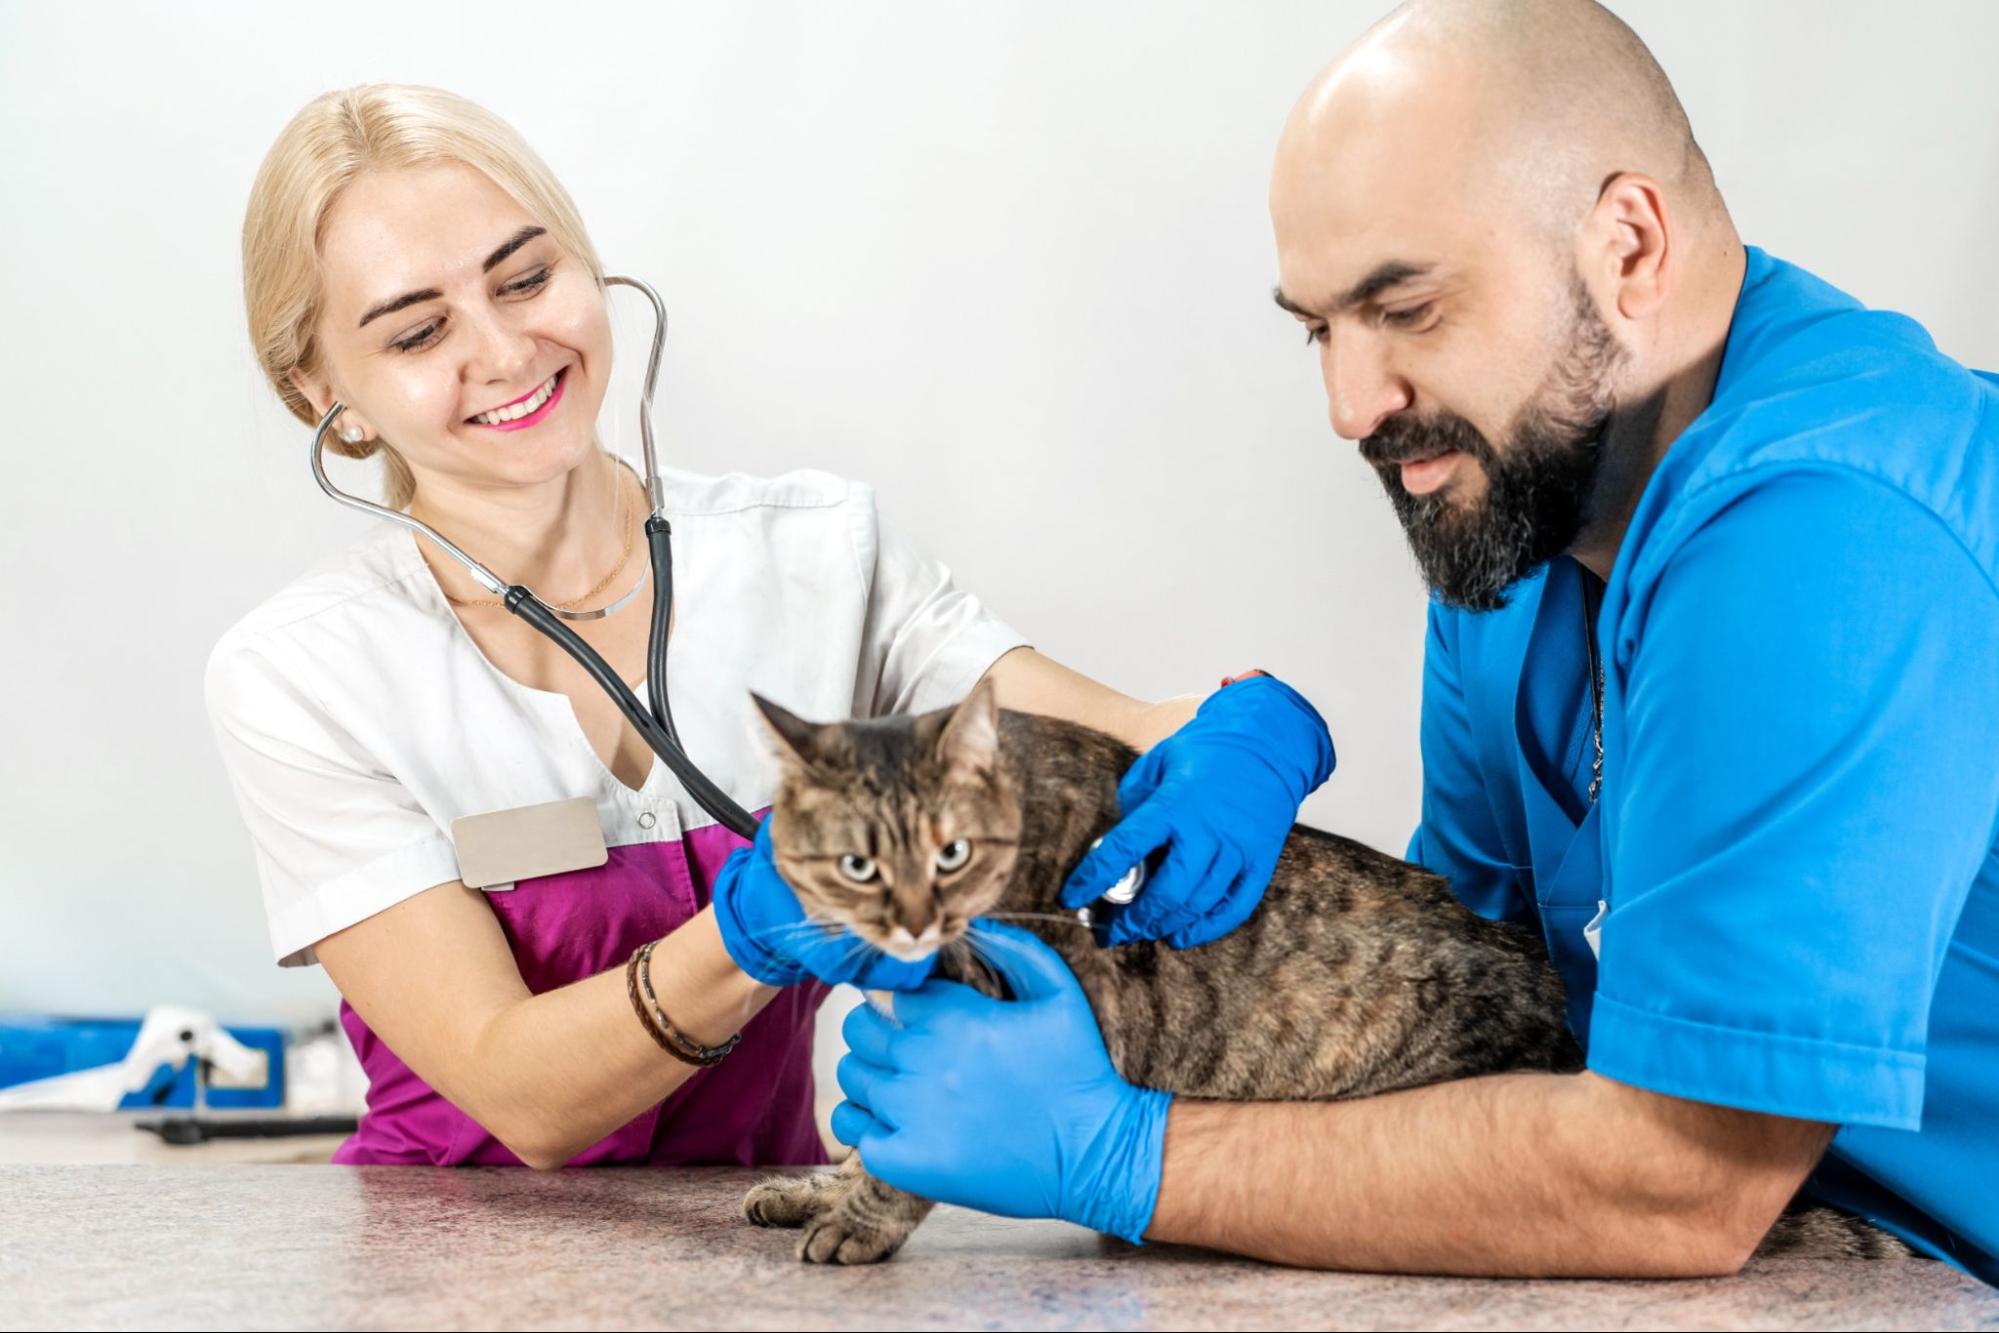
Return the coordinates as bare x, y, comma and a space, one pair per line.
351, 434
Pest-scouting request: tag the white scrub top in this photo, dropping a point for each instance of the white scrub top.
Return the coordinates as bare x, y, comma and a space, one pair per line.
357, 718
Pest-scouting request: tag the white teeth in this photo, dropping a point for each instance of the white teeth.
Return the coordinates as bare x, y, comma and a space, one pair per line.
532, 403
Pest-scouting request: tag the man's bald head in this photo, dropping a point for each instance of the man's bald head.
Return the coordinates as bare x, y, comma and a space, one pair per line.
1533, 104
1493, 218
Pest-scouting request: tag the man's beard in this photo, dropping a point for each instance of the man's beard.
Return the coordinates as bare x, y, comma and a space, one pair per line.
1537, 488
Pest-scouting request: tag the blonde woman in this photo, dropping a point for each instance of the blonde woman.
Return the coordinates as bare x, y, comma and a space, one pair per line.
407, 254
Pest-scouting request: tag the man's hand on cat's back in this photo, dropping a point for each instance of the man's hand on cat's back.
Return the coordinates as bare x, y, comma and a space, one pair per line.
769, 936
1219, 796
1010, 1106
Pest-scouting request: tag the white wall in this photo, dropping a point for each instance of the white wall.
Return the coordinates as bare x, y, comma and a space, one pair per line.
1009, 262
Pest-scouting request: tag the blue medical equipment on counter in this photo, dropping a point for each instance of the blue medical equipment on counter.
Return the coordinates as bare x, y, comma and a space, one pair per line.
173, 1058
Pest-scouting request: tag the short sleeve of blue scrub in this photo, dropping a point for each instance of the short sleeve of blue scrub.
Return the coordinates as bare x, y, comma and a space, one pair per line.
1811, 769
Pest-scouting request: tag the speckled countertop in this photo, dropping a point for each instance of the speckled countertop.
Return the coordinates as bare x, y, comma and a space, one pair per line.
200, 1247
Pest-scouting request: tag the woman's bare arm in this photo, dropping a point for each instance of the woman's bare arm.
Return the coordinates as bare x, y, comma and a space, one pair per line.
1030, 683
548, 1075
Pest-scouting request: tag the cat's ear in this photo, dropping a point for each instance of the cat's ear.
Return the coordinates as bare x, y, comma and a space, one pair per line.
797, 740
969, 743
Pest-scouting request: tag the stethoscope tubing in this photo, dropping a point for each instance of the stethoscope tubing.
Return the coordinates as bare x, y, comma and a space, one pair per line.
657, 734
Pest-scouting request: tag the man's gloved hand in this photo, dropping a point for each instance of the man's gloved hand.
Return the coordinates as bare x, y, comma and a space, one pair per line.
1010, 1106
768, 934
1220, 796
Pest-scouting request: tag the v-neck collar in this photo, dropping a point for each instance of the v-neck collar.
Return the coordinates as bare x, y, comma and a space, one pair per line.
552, 704
1551, 708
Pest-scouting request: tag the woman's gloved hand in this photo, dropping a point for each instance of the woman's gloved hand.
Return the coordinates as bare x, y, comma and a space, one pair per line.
769, 936
1010, 1106
1220, 796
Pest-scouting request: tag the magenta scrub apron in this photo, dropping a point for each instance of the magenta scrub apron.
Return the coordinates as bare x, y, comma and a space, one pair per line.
756, 1107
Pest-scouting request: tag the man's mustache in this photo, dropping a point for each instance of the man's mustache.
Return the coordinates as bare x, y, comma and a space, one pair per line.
1406, 439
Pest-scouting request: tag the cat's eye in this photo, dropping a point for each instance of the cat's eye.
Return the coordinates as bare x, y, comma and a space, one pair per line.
953, 854
859, 869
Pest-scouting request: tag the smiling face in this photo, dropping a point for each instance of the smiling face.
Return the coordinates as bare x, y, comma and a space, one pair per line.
1457, 341
455, 328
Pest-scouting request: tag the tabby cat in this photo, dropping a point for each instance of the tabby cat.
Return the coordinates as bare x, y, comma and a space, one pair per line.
1357, 974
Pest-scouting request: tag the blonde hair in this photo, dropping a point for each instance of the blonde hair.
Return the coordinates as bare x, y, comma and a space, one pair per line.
333, 139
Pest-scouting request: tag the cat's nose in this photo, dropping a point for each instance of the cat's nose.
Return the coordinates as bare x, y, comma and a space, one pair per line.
932, 933
916, 918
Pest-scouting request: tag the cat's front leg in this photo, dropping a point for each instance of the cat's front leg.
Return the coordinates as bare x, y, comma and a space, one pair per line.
867, 1222
792, 1201
848, 1216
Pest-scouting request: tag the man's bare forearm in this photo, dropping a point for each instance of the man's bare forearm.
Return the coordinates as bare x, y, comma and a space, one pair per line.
1511, 1175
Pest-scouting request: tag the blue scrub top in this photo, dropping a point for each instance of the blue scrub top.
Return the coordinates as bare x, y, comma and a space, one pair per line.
1796, 845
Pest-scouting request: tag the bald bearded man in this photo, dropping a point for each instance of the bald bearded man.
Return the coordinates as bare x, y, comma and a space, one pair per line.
1748, 786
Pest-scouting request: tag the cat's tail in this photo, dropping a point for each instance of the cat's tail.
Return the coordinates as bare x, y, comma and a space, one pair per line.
1814, 1231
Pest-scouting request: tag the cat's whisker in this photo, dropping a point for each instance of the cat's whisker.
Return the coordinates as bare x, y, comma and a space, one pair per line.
796, 929
787, 929
858, 948
993, 937
781, 938
984, 942
990, 943
1036, 916
967, 949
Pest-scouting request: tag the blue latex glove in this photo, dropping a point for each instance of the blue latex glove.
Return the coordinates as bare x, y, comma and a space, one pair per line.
1220, 796
1012, 1107
768, 934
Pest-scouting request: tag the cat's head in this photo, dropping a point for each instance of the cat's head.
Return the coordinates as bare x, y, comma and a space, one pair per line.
901, 828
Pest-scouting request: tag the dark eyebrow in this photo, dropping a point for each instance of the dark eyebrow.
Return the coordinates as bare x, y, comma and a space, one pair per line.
1286, 303
513, 243
1392, 273
390, 307
493, 261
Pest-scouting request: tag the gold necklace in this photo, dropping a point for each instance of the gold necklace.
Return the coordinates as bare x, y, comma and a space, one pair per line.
624, 518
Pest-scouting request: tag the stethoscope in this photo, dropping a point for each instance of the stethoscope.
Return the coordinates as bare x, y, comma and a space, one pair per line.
656, 727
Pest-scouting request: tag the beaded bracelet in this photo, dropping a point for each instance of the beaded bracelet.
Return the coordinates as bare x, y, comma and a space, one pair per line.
657, 1025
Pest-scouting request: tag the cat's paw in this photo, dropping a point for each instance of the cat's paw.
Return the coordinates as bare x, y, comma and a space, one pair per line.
837, 1238
789, 1201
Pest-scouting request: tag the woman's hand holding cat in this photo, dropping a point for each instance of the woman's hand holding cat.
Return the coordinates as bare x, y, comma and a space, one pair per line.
1220, 796
1009, 1106
770, 937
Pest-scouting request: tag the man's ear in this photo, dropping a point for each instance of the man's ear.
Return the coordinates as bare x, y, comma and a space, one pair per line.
797, 741
1632, 231
969, 743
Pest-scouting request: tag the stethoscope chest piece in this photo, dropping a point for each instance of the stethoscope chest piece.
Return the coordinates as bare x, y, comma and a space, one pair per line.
1099, 914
